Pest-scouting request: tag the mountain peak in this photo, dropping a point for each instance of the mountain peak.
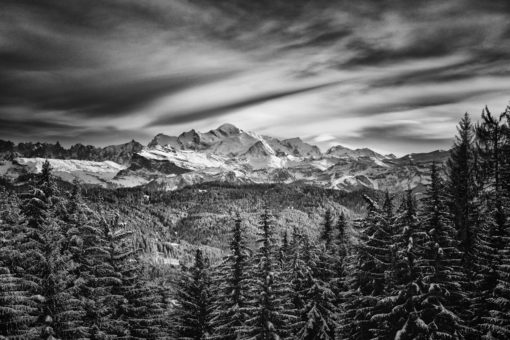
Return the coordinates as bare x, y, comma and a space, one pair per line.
162, 140
259, 149
338, 148
228, 129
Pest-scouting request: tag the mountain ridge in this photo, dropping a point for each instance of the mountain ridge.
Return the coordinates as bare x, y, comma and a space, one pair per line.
226, 153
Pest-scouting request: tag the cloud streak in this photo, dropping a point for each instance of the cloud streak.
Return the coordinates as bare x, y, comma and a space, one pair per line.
178, 118
145, 66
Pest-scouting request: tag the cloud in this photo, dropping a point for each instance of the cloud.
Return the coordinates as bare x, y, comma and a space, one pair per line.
100, 96
138, 65
24, 128
219, 110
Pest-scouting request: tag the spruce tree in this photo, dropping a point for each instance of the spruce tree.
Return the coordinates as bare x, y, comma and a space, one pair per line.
145, 312
341, 236
230, 302
121, 272
47, 265
327, 229
496, 324
298, 274
367, 267
269, 313
400, 311
461, 187
339, 282
16, 305
319, 311
89, 251
284, 251
440, 266
192, 316
491, 231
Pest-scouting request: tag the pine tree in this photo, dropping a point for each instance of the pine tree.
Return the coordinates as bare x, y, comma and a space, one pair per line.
194, 310
461, 186
297, 276
46, 265
319, 311
229, 316
440, 266
89, 251
284, 251
496, 325
119, 280
16, 305
269, 314
491, 224
400, 310
145, 312
341, 236
367, 266
339, 282
327, 230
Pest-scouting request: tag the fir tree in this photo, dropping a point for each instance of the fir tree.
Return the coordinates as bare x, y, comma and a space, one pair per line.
120, 277
496, 325
90, 253
284, 251
268, 312
16, 305
341, 236
400, 311
491, 224
145, 312
319, 311
230, 303
339, 282
194, 310
461, 189
46, 264
440, 267
327, 230
367, 267
298, 274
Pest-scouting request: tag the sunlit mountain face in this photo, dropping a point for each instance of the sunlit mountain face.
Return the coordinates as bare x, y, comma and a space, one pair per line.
228, 155
393, 76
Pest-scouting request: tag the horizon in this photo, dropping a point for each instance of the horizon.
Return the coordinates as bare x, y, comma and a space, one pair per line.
392, 76
322, 148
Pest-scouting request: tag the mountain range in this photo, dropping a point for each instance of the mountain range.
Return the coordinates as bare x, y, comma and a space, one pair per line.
225, 154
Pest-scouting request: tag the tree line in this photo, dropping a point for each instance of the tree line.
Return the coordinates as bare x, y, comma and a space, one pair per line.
67, 272
434, 267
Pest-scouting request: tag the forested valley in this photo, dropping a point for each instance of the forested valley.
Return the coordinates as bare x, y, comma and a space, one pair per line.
281, 262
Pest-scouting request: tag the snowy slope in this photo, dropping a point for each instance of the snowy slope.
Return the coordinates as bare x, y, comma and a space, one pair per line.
90, 172
229, 154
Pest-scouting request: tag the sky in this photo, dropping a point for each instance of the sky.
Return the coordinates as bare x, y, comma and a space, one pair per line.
391, 75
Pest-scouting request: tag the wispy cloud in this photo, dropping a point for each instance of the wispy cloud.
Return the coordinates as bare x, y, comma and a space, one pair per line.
308, 68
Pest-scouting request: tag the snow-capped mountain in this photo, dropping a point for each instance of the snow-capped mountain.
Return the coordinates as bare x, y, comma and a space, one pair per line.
224, 154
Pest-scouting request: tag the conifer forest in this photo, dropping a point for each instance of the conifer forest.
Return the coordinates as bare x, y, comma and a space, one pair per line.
76, 263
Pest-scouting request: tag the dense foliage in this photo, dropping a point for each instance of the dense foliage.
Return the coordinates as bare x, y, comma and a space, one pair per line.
265, 262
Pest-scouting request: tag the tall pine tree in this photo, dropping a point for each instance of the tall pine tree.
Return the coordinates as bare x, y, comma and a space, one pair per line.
47, 265
192, 316
230, 302
268, 311
367, 267
461, 187
441, 267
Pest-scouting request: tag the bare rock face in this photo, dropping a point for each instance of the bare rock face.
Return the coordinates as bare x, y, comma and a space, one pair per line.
225, 154
121, 153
